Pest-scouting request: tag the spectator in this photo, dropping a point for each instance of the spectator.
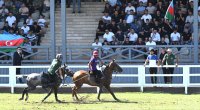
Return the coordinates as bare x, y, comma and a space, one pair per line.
41, 21
96, 44
5, 27
68, 3
151, 9
108, 9
11, 19
112, 2
24, 12
31, 37
106, 18
28, 50
130, 17
101, 29
147, 27
153, 62
112, 27
119, 37
146, 16
109, 36
169, 58
155, 36
129, 8
140, 42
162, 42
150, 43
25, 28
3, 12
133, 37
116, 17
47, 4
29, 21
190, 19
1, 3
186, 37
14, 11
105, 48
37, 31
14, 28
17, 60
167, 27
78, 2
180, 20
158, 17
175, 37
124, 27
126, 43
8, 3
140, 9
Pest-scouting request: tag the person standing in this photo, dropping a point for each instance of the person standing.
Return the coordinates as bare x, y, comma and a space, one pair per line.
17, 61
153, 62
169, 58
74, 5
162, 54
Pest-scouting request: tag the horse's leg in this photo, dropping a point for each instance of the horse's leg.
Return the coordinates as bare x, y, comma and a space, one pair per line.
29, 89
24, 91
75, 90
50, 91
111, 92
100, 91
55, 93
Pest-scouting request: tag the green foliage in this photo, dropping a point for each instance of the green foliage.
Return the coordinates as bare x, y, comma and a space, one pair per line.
129, 101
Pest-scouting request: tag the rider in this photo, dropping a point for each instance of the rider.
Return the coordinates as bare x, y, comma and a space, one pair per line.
56, 63
92, 66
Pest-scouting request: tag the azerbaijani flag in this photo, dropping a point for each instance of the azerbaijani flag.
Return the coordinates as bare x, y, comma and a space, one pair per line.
170, 12
10, 40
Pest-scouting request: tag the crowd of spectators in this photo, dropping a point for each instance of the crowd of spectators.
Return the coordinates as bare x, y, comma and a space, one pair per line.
142, 22
16, 17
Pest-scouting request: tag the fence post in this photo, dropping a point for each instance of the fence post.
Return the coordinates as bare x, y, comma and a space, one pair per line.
186, 78
12, 77
141, 77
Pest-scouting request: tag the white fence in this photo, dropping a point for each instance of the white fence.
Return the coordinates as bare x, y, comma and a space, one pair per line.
141, 76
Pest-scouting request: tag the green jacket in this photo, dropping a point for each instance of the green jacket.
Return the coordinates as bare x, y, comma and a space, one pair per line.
169, 59
54, 66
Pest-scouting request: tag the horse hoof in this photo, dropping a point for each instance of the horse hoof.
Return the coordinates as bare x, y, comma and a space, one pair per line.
20, 98
99, 99
117, 100
26, 99
59, 101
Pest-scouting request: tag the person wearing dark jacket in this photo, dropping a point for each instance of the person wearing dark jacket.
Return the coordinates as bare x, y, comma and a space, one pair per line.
17, 60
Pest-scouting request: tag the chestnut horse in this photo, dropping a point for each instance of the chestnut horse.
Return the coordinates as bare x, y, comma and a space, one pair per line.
83, 77
35, 79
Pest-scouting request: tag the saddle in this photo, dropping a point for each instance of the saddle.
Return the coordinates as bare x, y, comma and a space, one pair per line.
45, 79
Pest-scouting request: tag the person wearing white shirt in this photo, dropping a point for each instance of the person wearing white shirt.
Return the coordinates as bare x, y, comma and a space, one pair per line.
132, 36
25, 28
155, 36
146, 16
41, 21
96, 44
130, 18
29, 21
129, 8
106, 18
150, 43
11, 19
175, 37
109, 36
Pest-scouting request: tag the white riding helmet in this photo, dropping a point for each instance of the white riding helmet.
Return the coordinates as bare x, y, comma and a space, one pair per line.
59, 56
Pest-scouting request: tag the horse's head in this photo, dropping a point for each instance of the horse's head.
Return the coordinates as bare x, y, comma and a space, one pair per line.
62, 71
114, 66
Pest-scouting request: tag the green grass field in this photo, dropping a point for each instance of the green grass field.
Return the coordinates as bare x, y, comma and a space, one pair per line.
129, 101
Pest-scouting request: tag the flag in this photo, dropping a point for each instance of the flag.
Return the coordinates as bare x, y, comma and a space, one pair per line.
170, 12
10, 40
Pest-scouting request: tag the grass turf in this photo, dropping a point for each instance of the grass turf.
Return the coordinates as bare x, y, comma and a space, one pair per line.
129, 101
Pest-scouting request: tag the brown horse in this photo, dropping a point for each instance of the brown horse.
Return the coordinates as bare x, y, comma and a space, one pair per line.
83, 77
35, 79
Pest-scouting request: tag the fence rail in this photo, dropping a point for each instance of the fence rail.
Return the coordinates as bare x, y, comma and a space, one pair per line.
140, 76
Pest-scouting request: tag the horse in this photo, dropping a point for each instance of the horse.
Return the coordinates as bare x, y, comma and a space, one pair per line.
36, 79
83, 77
